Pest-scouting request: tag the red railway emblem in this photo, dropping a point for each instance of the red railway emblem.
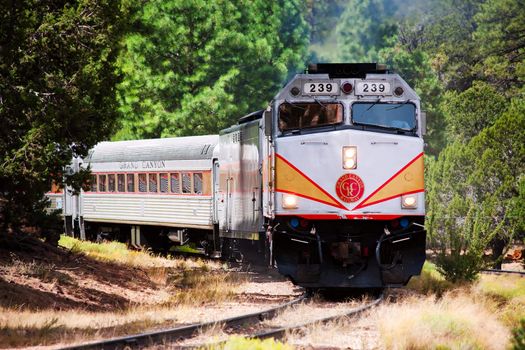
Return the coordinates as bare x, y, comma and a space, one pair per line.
350, 188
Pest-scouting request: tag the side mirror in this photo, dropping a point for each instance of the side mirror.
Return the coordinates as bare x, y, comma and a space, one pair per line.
268, 122
423, 123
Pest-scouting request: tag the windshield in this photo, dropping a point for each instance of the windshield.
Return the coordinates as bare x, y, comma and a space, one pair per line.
387, 115
304, 115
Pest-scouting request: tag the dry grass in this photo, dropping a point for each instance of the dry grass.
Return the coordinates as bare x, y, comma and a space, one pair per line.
508, 294
454, 321
116, 252
430, 281
433, 315
345, 333
191, 283
200, 286
312, 311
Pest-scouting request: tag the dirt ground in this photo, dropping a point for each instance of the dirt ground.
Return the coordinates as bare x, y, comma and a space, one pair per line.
37, 277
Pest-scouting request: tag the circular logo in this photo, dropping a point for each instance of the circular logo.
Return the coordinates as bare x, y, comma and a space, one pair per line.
350, 188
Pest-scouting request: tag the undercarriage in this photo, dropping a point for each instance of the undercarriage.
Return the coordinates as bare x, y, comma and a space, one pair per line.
350, 254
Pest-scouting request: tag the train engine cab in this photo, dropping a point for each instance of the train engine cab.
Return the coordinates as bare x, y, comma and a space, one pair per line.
346, 205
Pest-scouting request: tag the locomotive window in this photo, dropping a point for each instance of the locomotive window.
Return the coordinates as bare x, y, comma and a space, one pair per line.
186, 183
197, 183
152, 182
398, 116
111, 183
131, 182
93, 183
102, 183
121, 186
164, 183
293, 116
142, 183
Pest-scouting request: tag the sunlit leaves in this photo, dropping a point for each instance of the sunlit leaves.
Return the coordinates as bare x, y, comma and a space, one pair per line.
196, 67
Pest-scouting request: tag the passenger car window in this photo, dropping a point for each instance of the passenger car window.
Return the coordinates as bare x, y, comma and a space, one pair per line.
197, 183
111, 183
152, 182
93, 183
121, 186
175, 182
131, 182
163, 182
142, 183
186, 183
102, 183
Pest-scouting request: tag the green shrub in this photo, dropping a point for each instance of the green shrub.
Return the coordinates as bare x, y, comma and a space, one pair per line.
430, 281
458, 267
463, 239
518, 342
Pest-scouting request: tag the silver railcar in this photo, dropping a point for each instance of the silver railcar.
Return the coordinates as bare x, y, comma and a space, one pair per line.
146, 191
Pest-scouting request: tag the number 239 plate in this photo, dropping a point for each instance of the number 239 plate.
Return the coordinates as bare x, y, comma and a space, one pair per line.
320, 88
373, 88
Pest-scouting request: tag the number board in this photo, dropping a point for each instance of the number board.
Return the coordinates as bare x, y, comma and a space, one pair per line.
320, 88
373, 88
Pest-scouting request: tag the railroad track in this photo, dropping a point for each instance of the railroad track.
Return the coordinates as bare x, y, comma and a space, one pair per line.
178, 334
280, 332
183, 332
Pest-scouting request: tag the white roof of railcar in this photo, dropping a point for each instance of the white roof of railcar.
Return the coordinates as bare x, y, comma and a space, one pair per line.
177, 148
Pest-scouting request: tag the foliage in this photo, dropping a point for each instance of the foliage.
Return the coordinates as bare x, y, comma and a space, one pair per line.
56, 94
499, 37
467, 113
321, 16
447, 35
476, 194
236, 342
194, 67
518, 342
430, 281
364, 28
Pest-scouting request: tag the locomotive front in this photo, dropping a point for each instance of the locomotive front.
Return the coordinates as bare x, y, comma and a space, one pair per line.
347, 202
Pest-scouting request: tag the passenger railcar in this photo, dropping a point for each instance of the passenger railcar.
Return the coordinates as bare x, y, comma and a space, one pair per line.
326, 183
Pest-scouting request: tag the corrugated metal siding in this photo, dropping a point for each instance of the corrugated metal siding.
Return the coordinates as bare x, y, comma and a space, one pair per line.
178, 148
157, 209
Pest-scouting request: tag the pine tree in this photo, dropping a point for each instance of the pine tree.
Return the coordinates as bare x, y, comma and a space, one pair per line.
195, 67
57, 94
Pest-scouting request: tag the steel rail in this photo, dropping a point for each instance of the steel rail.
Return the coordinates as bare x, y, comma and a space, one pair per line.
178, 333
503, 272
280, 332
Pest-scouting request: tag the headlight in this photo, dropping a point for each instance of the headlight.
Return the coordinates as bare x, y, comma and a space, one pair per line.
349, 157
409, 201
289, 201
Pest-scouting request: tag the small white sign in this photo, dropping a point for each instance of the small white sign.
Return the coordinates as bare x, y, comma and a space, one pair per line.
320, 88
378, 88
59, 203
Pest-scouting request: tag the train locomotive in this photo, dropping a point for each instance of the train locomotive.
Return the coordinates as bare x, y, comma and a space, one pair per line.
326, 184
